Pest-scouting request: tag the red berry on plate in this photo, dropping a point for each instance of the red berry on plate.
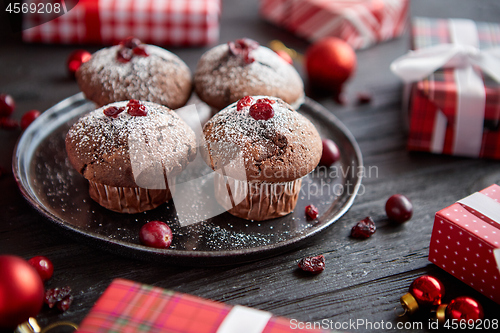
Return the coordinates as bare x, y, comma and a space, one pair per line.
261, 111
398, 208
113, 111
156, 234
43, 266
313, 264
245, 101
28, 118
285, 56
76, 59
7, 105
140, 51
136, 109
331, 153
311, 212
8, 123
364, 228
131, 42
124, 55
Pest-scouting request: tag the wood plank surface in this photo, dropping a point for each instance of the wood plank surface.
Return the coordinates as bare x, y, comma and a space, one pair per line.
363, 279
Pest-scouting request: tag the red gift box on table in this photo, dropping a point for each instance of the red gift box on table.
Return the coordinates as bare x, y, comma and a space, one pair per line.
453, 89
160, 22
131, 307
465, 241
361, 23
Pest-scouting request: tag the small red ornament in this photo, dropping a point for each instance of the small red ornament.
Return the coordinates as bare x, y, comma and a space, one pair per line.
425, 291
329, 63
76, 59
28, 118
462, 308
285, 56
21, 291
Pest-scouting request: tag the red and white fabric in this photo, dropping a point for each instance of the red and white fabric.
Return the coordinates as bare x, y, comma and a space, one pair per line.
465, 241
361, 23
160, 22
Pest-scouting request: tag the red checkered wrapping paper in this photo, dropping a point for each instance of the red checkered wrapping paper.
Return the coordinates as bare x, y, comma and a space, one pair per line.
361, 23
433, 100
465, 241
131, 307
159, 22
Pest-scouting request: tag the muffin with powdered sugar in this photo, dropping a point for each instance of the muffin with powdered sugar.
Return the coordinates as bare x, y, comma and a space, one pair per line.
130, 152
133, 70
228, 72
260, 148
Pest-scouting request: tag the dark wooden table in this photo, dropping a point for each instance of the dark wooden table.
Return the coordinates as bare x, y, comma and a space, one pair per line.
363, 279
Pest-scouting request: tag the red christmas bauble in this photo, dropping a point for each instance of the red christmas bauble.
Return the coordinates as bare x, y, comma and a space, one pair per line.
329, 63
76, 59
427, 290
464, 308
21, 291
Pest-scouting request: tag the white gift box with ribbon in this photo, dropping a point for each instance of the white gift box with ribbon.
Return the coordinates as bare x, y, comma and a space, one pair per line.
470, 64
465, 241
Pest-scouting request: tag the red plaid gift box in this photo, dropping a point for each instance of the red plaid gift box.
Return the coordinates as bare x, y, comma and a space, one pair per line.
132, 307
360, 23
160, 22
465, 241
454, 101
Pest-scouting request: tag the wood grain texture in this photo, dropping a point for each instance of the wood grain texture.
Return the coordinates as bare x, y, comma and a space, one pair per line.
363, 279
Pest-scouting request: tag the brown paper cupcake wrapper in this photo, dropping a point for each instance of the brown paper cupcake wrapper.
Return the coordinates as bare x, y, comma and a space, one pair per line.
129, 200
256, 200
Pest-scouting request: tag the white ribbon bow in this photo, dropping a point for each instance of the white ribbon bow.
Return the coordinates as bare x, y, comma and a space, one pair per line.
417, 65
465, 57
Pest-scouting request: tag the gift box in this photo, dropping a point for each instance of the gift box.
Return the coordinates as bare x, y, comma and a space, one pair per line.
453, 90
360, 23
465, 241
160, 22
131, 307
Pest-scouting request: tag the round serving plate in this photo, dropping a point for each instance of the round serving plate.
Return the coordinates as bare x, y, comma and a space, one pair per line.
57, 191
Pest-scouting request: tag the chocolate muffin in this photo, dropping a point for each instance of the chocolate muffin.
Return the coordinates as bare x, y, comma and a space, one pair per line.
127, 150
231, 71
260, 148
132, 70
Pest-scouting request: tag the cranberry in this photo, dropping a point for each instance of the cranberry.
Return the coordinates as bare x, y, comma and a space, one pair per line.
113, 111
156, 234
331, 153
8, 123
55, 295
140, 51
124, 55
136, 109
364, 98
243, 47
7, 105
261, 111
266, 100
311, 212
28, 118
76, 59
313, 264
364, 228
131, 42
64, 304
43, 266
285, 56
398, 208
245, 101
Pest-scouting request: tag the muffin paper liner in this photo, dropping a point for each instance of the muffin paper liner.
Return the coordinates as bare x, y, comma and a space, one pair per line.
255, 200
129, 200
